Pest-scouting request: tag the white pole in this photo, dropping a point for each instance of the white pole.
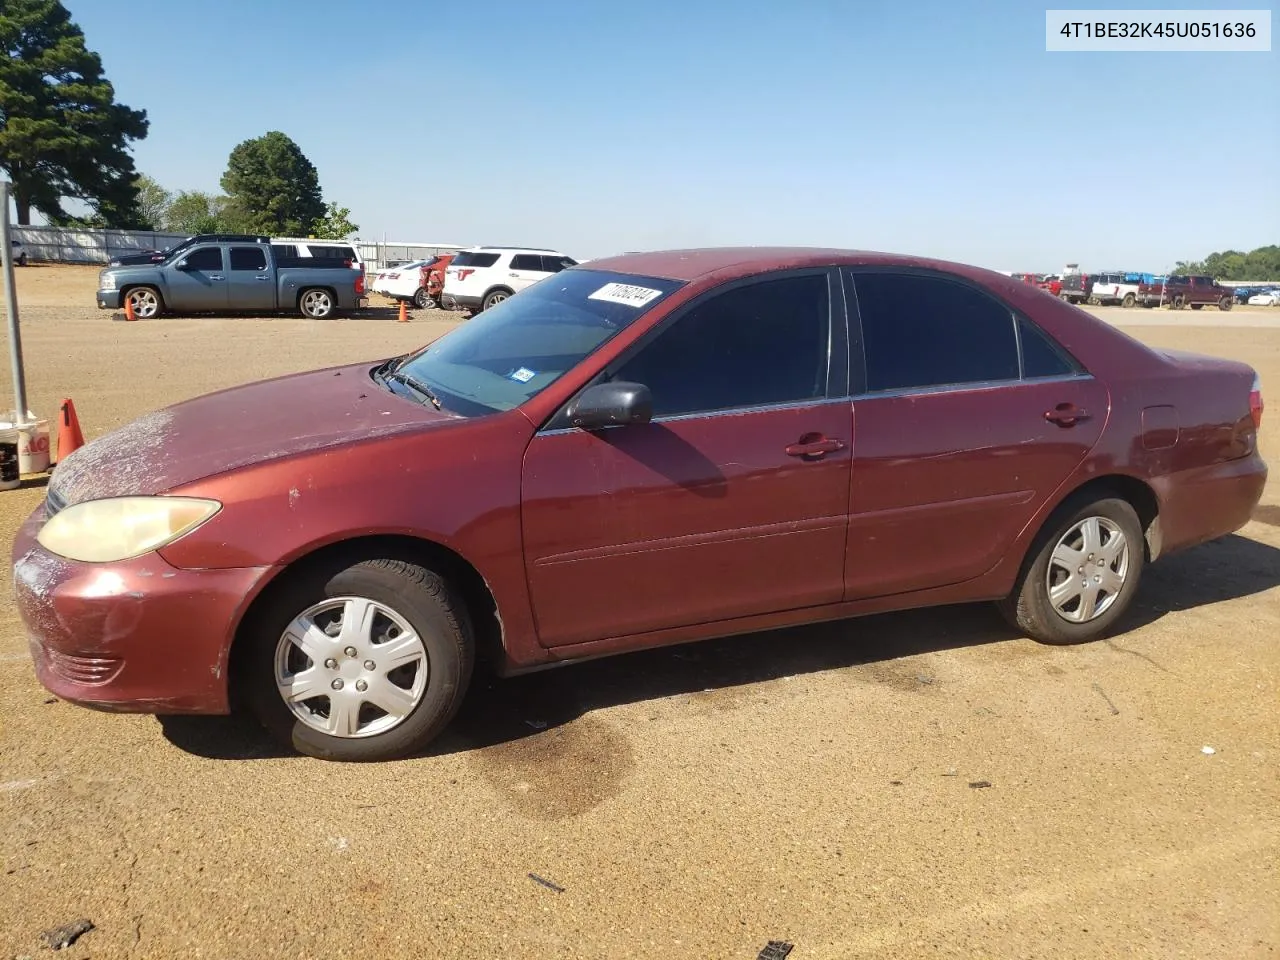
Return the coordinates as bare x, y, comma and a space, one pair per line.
11, 307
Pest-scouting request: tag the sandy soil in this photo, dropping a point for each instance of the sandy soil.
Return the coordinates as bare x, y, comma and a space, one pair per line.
815, 785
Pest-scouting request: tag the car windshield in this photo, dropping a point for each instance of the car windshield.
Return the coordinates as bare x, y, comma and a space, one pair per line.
515, 350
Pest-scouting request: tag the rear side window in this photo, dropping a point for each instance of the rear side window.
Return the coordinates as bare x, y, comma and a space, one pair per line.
922, 331
527, 261
764, 343
1041, 357
206, 258
475, 260
248, 258
553, 264
286, 250
335, 253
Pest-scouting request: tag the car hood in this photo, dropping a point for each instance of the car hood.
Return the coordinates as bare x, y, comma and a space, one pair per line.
222, 431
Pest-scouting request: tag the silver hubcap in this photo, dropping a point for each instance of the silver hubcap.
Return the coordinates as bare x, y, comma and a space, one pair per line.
1088, 569
317, 303
351, 667
145, 303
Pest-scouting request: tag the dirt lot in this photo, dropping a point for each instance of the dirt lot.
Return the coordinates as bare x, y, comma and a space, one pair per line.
813, 785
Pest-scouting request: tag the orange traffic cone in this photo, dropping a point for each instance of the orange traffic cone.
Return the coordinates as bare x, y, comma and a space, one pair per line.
69, 436
404, 313
128, 308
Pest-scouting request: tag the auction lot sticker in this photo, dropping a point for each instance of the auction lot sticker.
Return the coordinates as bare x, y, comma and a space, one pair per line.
626, 293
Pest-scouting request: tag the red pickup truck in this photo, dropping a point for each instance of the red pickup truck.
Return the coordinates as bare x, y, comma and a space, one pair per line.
1179, 292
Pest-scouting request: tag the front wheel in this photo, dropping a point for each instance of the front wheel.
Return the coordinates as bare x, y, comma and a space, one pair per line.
316, 304
1177, 303
146, 302
1083, 573
1226, 303
366, 663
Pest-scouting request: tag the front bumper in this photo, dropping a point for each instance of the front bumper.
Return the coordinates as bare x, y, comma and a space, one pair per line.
138, 636
109, 300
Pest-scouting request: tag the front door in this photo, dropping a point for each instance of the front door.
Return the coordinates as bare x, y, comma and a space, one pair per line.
251, 283
731, 502
198, 281
971, 417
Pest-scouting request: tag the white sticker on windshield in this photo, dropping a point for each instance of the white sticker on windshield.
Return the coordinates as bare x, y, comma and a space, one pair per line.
627, 293
523, 375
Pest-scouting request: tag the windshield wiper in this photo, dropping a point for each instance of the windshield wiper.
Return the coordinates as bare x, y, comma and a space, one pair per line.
415, 385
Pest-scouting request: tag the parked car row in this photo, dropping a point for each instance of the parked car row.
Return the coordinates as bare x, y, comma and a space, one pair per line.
474, 279
1263, 296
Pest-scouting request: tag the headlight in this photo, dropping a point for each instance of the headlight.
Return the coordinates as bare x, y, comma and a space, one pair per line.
106, 281
102, 531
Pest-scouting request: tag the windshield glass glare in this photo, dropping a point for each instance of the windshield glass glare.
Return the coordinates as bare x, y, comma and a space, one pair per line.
515, 350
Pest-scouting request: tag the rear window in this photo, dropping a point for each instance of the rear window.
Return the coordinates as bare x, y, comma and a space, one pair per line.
475, 260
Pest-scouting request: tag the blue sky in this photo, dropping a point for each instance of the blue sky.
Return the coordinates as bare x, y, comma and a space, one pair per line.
937, 128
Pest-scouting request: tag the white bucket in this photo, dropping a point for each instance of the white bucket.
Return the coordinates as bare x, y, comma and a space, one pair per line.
10, 477
33, 445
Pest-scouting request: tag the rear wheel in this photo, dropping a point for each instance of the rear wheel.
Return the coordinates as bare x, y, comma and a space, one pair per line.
1082, 575
368, 662
494, 297
1128, 300
423, 300
316, 304
146, 302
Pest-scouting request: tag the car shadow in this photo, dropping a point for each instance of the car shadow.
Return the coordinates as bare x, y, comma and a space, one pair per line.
497, 711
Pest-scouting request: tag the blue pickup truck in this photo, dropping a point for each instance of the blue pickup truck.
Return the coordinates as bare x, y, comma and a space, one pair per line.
243, 277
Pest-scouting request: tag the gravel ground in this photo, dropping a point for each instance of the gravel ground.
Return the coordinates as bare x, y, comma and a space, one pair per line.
821, 786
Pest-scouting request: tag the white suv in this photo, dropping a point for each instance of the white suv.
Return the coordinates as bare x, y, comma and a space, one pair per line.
481, 277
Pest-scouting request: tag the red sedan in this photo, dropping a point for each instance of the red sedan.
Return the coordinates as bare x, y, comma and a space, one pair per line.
649, 449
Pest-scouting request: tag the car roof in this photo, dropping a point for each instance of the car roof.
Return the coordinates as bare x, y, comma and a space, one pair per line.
491, 247
725, 262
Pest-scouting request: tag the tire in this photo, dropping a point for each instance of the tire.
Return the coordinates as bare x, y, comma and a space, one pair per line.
1177, 303
495, 297
423, 300
1064, 298
147, 302
1128, 301
1226, 303
1030, 607
316, 303
400, 600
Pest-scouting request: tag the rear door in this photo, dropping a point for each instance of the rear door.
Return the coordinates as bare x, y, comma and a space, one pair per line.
968, 418
198, 280
526, 269
251, 282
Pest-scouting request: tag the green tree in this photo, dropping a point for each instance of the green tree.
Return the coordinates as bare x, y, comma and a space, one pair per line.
335, 224
192, 211
153, 202
62, 134
272, 188
1260, 264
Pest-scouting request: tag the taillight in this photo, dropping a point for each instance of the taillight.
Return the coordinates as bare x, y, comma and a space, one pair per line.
360, 284
1255, 401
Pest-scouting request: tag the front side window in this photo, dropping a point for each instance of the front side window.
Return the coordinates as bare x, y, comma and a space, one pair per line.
924, 331
205, 258
762, 343
515, 350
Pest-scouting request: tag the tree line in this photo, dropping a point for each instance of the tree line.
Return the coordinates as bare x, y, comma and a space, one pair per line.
64, 137
1260, 264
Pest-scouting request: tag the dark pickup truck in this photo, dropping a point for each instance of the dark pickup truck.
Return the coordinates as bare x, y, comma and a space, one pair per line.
1185, 291
210, 277
1077, 287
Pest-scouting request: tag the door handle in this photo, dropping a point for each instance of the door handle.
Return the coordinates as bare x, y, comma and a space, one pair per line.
262, 278
1066, 415
813, 446
216, 276
513, 274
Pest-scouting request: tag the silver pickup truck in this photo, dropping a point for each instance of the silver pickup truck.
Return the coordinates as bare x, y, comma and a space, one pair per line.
234, 277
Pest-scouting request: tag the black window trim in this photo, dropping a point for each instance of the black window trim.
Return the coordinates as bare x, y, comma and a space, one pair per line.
232, 268
858, 359
837, 351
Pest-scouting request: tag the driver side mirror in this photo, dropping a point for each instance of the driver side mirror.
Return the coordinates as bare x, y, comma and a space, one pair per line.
612, 404
181, 265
